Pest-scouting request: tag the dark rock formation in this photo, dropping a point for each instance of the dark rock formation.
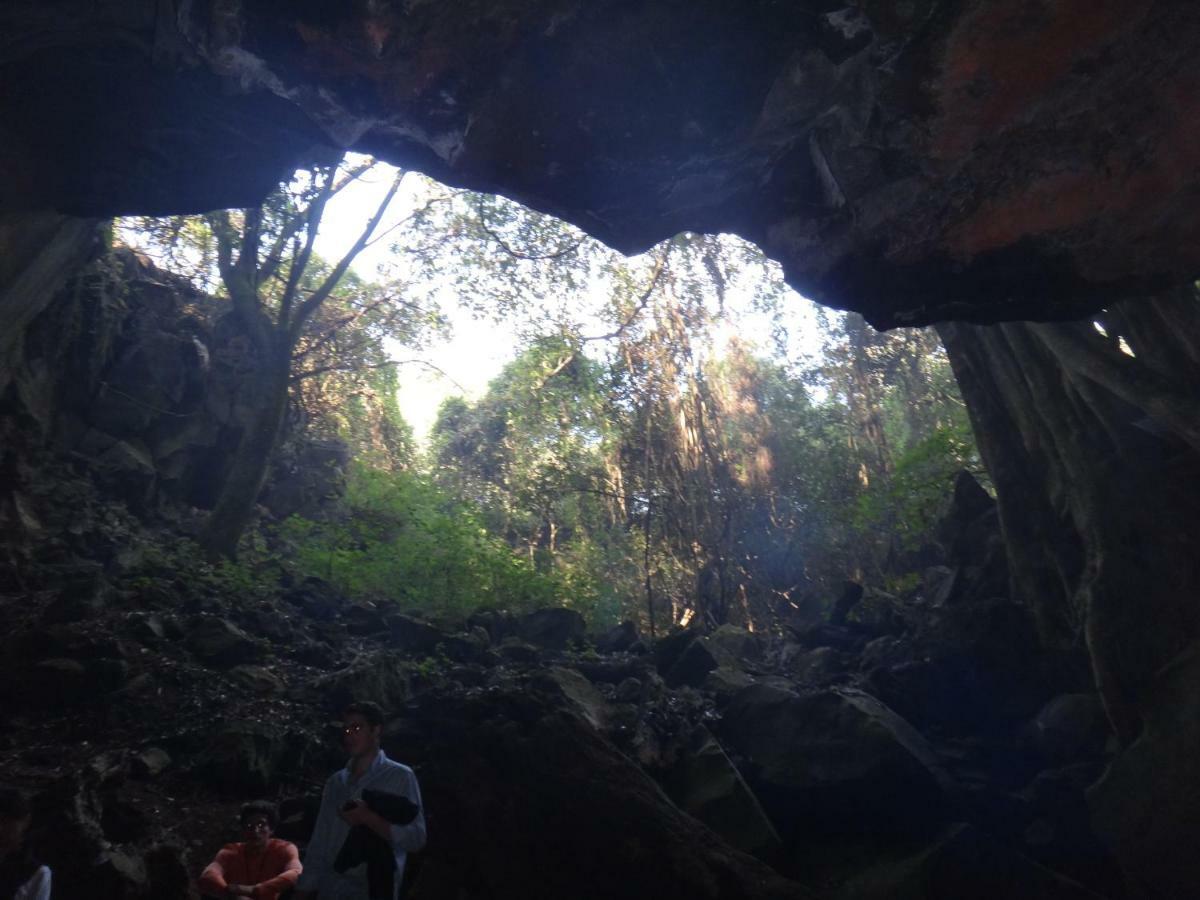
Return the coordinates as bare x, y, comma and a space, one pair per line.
916, 162
530, 762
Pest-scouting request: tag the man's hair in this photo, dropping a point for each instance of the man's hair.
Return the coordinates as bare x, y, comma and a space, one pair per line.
14, 804
259, 808
372, 712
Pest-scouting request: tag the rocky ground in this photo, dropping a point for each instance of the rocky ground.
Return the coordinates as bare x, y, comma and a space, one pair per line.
916, 747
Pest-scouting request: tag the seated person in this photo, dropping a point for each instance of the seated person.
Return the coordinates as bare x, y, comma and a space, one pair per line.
259, 866
21, 876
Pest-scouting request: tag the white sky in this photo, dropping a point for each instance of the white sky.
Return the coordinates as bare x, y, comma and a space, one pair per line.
478, 349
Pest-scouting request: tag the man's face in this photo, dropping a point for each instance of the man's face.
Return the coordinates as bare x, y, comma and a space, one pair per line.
257, 829
359, 737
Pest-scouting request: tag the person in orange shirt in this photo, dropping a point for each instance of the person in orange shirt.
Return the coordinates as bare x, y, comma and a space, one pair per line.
260, 866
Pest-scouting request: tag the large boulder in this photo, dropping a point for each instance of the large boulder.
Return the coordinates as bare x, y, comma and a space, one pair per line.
834, 764
1146, 807
544, 807
706, 784
973, 665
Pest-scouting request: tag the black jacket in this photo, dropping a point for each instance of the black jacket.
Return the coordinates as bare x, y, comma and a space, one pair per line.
364, 845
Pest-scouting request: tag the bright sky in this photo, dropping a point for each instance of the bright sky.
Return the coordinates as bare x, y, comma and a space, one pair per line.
478, 348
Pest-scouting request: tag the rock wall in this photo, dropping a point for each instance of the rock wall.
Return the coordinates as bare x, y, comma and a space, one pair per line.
917, 161
137, 377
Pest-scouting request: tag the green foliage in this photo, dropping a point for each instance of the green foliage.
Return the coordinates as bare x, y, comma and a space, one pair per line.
254, 576
909, 504
400, 539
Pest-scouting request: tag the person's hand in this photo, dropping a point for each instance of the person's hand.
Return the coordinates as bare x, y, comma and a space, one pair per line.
241, 890
356, 813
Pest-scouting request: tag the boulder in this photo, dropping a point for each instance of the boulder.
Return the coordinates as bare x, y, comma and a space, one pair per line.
1059, 832
939, 584
746, 648
577, 693
617, 639
516, 651
974, 665
887, 650
835, 763
468, 647
1069, 727
1146, 807
697, 659
379, 676
147, 628
256, 680
707, 785
124, 467
218, 642
268, 621
317, 598
545, 807
414, 636
818, 667
630, 690
725, 683
364, 619
499, 624
552, 629
151, 762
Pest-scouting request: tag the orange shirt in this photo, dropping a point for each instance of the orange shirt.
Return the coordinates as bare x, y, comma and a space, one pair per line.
270, 872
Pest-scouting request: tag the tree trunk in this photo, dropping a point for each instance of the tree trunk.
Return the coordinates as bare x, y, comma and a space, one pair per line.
239, 493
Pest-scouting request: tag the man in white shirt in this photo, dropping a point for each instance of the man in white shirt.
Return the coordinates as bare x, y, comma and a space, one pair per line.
342, 809
21, 876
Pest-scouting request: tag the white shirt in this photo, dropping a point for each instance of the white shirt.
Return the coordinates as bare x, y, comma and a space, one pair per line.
331, 829
36, 888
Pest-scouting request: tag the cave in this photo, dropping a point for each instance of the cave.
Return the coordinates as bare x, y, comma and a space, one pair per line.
1010, 172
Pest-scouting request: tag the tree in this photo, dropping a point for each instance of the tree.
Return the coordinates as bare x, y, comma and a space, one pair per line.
287, 312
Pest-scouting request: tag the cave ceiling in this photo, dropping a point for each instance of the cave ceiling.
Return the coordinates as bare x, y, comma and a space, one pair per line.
914, 160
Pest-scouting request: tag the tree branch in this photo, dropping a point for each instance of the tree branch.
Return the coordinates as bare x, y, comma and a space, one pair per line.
293, 225
317, 297
516, 254
643, 300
